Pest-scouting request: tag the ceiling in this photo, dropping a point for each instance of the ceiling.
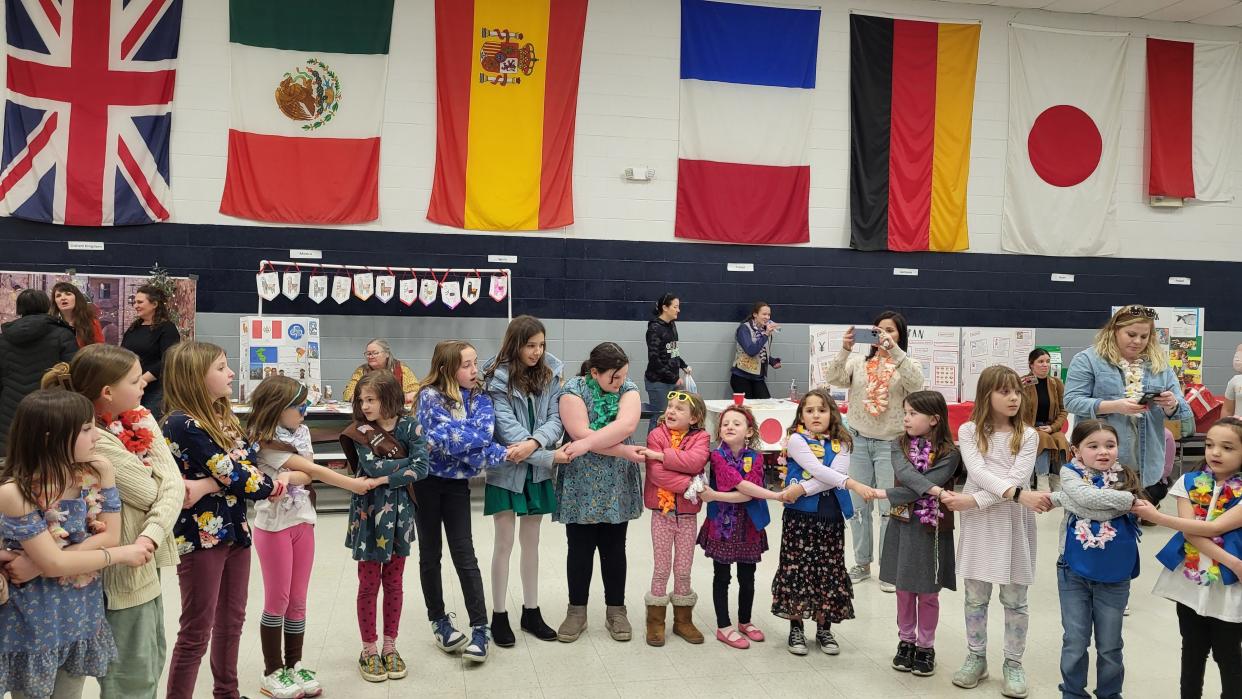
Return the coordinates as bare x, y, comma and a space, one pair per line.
1222, 13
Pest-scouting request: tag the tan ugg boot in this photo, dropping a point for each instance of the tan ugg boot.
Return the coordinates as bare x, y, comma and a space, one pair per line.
617, 622
657, 615
573, 626
683, 617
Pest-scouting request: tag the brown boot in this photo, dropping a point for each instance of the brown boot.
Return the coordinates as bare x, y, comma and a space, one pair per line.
573, 626
617, 622
657, 614
683, 617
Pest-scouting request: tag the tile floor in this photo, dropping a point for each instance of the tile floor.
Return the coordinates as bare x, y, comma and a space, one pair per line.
597, 666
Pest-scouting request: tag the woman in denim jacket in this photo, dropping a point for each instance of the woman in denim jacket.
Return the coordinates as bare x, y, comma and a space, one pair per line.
1108, 381
524, 383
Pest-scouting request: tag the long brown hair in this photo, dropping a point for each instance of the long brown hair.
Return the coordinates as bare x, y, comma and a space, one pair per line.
1129, 480
836, 426
386, 388
185, 370
529, 380
83, 313
42, 435
268, 403
158, 297
442, 376
996, 378
93, 368
932, 404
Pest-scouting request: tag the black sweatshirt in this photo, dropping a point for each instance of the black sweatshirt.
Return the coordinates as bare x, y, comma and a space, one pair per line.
663, 358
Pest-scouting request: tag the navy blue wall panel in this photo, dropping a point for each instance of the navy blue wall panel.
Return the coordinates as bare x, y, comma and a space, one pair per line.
585, 279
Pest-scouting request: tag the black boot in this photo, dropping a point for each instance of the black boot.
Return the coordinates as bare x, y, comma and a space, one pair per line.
532, 623
924, 664
904, 660
501, 633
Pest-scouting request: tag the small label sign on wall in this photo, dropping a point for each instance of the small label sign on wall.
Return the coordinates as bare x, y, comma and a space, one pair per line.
1063, 278
740, 267
502, 259
905, 272
306, 254
85, 245
1179, 281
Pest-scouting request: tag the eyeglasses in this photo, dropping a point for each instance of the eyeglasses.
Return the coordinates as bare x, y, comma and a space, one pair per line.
1137, 310
371, 354
679, 395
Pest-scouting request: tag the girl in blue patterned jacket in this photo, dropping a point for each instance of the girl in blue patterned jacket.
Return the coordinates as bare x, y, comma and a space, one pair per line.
457, 421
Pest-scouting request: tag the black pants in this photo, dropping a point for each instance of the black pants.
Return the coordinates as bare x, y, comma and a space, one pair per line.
1201, 634
751, 388
1156, 491
446, 501
584, 540
745, 592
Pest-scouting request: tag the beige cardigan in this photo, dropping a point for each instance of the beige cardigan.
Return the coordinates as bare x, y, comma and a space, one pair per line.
151, 499
849, 370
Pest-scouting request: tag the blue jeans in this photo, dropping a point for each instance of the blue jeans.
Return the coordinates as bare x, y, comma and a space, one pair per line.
1043, 462
871, 463
1086, 604
657, 396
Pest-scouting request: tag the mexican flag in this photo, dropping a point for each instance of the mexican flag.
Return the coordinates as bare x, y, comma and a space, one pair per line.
308, 102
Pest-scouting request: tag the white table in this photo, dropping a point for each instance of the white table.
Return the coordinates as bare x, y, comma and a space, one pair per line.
773, 416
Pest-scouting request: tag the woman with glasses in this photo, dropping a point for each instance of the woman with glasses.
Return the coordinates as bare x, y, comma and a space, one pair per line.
378, 355
1125, 379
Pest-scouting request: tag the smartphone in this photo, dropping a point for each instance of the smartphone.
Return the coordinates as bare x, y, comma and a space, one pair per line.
1148, 396
866, 336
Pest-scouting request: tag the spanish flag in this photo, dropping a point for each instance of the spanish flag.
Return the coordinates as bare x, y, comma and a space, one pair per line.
506, 101
912, 88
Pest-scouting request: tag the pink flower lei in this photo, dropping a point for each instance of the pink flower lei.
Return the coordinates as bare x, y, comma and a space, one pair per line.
927, 507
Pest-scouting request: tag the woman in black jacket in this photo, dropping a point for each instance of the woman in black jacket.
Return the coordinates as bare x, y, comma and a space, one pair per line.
149, 337
664, 362
29, 346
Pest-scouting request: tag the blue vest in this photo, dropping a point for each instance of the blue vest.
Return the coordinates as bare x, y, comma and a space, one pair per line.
757, 510
831, 503
1117, 562
1174, 553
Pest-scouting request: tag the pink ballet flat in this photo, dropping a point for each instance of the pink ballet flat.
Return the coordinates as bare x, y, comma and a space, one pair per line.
733, 639
752, 632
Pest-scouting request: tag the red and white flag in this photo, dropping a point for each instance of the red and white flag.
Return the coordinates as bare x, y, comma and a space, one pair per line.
1065, 91
1192, 88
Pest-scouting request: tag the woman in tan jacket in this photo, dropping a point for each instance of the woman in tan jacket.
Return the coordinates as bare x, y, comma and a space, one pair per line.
1043, 407
152, 494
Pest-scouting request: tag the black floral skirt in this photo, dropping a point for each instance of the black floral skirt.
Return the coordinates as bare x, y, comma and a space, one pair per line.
811, 582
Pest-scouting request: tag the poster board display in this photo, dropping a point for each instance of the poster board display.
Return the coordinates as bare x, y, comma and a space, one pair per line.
1059, 366
280, 345
1179, 330
985, 347
937, 348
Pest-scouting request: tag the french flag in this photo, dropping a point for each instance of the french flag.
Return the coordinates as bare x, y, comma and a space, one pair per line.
747, 90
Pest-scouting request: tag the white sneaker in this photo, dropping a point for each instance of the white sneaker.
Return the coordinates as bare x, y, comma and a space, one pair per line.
306, 680
280, 685
887, 587
859, 573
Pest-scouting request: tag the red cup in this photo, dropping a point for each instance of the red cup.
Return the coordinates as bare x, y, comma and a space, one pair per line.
738, 398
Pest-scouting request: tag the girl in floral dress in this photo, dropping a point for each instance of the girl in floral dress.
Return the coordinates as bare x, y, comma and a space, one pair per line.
212, 534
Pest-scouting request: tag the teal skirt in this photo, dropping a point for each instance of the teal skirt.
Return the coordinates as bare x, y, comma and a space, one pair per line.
535, 498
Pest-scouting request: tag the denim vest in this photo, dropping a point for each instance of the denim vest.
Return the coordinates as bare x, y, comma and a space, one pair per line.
832, 503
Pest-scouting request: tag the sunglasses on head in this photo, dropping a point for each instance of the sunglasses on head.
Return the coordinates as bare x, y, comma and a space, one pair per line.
1137, 310
679, 395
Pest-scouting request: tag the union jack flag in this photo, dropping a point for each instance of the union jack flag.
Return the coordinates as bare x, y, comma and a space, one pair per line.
89, 110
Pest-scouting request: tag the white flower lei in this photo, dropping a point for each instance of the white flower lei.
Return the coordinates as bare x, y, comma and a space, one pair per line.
1133, 372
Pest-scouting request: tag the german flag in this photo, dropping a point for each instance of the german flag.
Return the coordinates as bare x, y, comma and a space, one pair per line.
912, 89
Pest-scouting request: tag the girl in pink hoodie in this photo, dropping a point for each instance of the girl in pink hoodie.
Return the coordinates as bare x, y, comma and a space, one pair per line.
676, 452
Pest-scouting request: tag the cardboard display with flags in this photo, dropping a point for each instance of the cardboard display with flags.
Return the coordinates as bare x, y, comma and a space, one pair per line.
747, 88
1065, 92
308, 103
1192, 94
912, 88
507, 101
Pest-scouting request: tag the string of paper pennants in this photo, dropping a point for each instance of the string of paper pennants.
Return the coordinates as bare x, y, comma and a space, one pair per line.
409, 285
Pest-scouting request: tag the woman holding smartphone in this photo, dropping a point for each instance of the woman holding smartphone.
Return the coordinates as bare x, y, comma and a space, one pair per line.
878, 386
1044, 409
752, 357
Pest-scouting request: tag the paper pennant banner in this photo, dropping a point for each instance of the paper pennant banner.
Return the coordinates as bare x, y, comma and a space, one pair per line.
473, 287
318, 289
340, 289
385, 287
427, 291
291, 284
499, 288
409, 291
450, 293
364, 285
268, 284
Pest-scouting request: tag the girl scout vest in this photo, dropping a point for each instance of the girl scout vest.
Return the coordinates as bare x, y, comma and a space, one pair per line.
756, 510
1174, 553
1104, 552
833, 503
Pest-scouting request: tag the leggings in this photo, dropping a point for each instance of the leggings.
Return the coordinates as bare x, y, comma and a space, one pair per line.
1201, 634
584, 540
671, 532
745, 592
286, 558
371, 575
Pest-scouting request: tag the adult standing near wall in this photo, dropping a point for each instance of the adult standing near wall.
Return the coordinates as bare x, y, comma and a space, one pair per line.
878, 385
1125, 379
1043, 408
753, 354
71, 306
378, 355
29, 346
149, 337
664, 360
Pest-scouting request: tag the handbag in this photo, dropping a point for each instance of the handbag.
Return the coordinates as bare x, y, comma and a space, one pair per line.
381, 442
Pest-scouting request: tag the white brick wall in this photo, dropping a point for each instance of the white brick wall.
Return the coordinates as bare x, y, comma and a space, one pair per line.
627, 115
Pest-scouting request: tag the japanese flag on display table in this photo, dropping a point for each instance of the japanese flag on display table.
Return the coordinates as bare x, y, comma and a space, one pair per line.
1065, 90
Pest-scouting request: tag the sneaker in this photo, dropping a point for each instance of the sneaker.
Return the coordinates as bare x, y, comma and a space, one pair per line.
372, 668
280, 685
974, 670
1126, 611
924, 662
394, 665
306, 680
797, 641
887, 587
827, 643
904, 660
859, 573
1015, 680
448, 639
477, 650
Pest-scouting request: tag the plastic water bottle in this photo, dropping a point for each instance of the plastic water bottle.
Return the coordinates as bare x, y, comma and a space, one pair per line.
327, 393
793, 391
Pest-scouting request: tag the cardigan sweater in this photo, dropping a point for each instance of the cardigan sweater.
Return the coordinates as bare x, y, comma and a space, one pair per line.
1054, 440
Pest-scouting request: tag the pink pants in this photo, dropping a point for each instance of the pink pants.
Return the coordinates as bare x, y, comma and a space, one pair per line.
671, 533
371, 575
286, 558
917, 616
